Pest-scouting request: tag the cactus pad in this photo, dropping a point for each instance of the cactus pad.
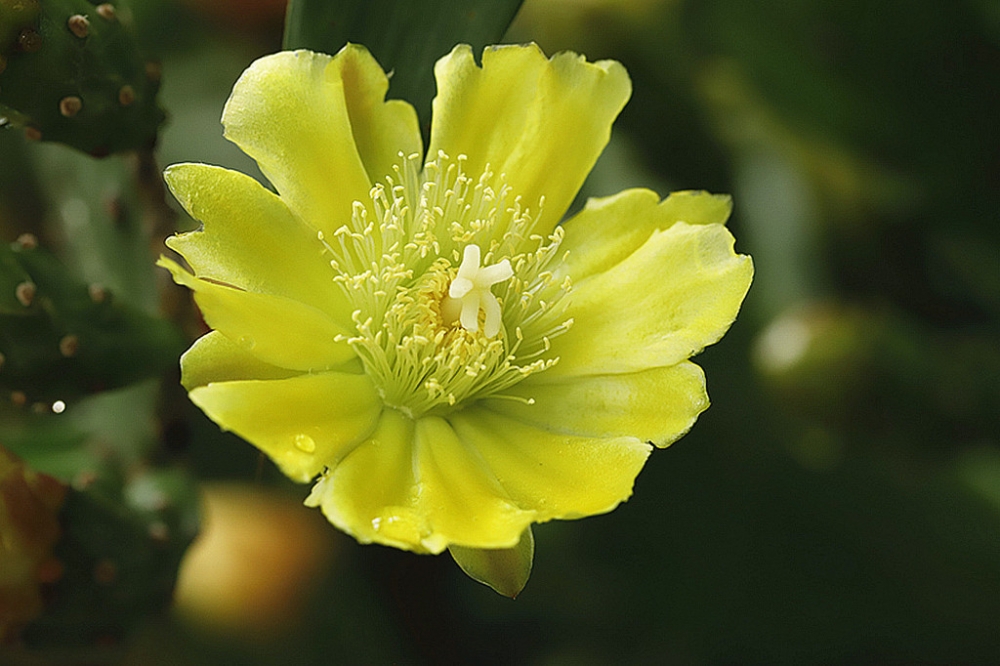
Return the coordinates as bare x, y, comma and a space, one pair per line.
71, 73
60, 339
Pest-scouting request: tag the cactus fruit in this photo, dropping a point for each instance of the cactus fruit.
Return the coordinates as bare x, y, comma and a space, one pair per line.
60, 339
70, 72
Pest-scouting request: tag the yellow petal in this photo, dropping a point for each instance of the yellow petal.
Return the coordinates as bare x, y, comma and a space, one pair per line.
371, 494
464, 503
319, 128
609, 229
540, 122
302, 423
658, 405
250, 239
673, 296
557, 475
276, 330
382, 128
417, 486
215, 358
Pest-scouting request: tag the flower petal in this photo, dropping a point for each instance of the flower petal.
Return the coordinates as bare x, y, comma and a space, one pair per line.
320, 129
382, 128
276, 330
658, 405
540, 122
215, 358
418, 487
556, 475
609, 229
250, 239
302, 423
464, 503
673, 296
371, 493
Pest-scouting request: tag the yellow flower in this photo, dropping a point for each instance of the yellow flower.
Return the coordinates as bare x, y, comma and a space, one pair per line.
418, 336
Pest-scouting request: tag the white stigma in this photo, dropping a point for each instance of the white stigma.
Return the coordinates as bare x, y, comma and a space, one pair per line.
472, 288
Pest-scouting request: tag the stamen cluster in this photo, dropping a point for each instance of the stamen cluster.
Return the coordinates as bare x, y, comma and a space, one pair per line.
405, 258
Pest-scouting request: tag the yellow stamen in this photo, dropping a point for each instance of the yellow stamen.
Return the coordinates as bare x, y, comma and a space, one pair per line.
411, 263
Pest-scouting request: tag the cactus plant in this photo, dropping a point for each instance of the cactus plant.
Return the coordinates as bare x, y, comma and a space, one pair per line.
72, 73
81, 567
18, 27
60, 338
123, 539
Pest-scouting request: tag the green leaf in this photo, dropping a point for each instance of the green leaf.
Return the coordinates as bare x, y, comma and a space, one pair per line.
407, 38
505, 570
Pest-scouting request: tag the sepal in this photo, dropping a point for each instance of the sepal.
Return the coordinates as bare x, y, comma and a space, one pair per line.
506, 570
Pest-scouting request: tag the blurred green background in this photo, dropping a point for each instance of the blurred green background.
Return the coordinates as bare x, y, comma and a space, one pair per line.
839, 503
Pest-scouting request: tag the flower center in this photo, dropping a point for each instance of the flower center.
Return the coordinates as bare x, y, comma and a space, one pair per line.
420, 264
470, 290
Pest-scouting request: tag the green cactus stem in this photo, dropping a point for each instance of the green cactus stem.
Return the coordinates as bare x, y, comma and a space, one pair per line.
123, 537
71, 73
60, 338
18, 24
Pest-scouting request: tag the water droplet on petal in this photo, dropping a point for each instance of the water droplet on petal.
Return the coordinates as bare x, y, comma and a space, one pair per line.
246, 342
305, 443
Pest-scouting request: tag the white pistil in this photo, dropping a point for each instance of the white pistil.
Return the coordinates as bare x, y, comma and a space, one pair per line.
472, 287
